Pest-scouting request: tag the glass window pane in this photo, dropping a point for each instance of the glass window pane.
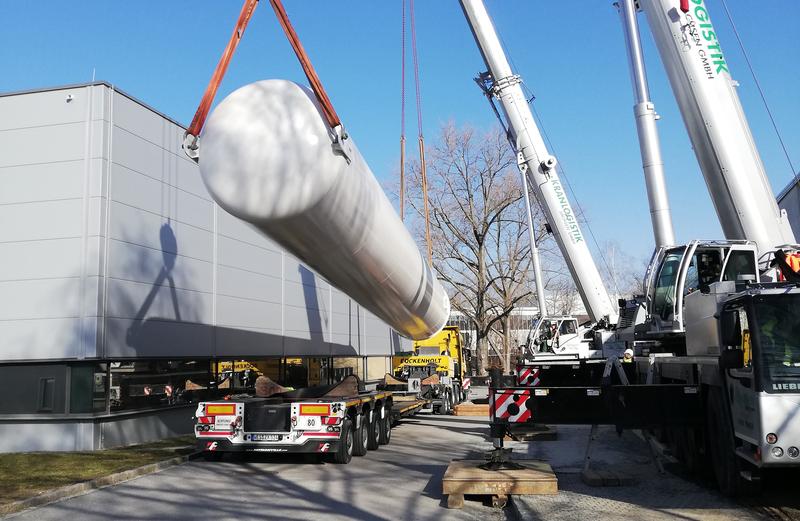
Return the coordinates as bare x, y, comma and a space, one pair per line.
149, 384
740, 263
664, 297
88, 388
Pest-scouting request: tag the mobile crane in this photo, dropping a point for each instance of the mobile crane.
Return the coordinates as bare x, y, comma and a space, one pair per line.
557, 340
718, 365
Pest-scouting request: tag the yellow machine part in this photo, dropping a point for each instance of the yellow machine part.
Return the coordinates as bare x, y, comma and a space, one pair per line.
447, 343
269, 367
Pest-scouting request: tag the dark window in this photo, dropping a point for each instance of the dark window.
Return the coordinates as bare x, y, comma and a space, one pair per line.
88, 388
33, 388
664, 291
778, 328
149, 384
740, 263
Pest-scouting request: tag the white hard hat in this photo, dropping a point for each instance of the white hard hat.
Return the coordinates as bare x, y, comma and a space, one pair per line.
629, 352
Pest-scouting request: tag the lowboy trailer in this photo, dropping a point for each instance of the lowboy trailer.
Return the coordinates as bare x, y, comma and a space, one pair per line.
338, 422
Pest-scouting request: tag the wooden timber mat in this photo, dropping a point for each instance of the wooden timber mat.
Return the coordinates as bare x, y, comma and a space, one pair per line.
465, 477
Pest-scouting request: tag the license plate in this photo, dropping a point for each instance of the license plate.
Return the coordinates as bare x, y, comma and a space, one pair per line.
265, 437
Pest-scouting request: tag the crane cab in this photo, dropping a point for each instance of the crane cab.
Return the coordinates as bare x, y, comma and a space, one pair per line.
677, 271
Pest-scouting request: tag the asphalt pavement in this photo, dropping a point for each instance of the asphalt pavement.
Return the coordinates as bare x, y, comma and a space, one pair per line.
402, 481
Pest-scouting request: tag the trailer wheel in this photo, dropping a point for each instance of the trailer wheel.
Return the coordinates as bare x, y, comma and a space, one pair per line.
374, 430
361, 435
345, 452
385, 429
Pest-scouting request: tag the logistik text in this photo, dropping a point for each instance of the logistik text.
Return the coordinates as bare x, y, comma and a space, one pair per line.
702, 32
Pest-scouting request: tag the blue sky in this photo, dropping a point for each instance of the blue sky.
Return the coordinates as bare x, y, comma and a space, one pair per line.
570, 54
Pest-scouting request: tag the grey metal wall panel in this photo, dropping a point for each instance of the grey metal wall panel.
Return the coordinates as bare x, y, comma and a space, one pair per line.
34, 259
138, 189
303, 323
141, 301
137, 226
41, 220
188, 179
44, 109
241, 342
149, 427
230, 226
41, 339
249, 257
42, 182
157, 337
791, 203
136, 153
40, 436
146, 265
243, 284
139, 121
247, 314
47, 298
377, 337
63, 143
311, 345
167, 271
314, 295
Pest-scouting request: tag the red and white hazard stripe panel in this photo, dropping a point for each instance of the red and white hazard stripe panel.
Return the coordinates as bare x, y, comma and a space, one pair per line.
510, 405
527, 375
466, 383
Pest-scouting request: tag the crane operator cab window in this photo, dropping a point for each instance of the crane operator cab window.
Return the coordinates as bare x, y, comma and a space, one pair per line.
705, 268
664, 290
741, 263
568, 327
546, 338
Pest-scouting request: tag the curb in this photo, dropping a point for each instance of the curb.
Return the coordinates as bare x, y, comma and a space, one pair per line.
79, 489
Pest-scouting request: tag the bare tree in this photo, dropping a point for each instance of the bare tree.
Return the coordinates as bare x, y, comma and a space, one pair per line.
562, 296
623, 272
480, 246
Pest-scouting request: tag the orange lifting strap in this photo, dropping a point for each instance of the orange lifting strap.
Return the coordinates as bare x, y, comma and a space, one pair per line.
244, 17
208, 97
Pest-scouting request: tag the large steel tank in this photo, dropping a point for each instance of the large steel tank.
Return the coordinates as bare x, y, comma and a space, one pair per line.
267, 157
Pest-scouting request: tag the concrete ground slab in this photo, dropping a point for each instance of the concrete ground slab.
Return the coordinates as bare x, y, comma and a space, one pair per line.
653, 496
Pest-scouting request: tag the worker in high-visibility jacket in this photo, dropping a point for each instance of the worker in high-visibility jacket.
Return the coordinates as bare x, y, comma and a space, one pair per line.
777, 335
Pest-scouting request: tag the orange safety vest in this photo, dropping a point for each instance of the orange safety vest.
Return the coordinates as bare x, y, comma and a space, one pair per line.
793, 260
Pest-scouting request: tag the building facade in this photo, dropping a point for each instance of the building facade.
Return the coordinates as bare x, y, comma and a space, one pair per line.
124, 284
789, 200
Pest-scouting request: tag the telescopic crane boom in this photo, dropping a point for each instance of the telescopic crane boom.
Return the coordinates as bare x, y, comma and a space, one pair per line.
698, 73
540, 166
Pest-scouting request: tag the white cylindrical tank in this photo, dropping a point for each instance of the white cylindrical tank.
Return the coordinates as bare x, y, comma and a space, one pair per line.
267, 157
